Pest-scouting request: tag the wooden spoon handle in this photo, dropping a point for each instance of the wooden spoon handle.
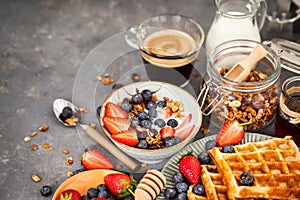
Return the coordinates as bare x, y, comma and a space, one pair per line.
93, 133
258, 53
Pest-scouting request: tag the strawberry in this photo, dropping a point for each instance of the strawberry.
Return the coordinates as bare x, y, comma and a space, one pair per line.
120, 185
185, 121
113, 110
128, 137
185, 132
69, 194
169, 112
116, 124
190, 167
93, 159
101, 198
231, 133
167, 131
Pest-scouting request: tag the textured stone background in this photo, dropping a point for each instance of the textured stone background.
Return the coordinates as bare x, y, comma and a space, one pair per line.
42, 44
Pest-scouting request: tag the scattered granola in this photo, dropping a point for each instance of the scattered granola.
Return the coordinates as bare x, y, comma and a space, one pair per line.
34, 147
69, 160
35, 178
44, 128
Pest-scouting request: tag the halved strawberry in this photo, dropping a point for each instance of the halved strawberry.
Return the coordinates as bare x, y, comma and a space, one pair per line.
116, 124
169, 112
190, 167
69, 194
167, 131
120, 185
128, 137
185, 132
231, 133
113, 110
185, 121
92, 158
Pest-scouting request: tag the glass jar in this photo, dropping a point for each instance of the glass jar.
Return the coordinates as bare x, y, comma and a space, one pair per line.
254, 100
288, 112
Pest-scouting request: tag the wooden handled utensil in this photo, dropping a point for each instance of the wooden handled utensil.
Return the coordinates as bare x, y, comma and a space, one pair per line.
241, 70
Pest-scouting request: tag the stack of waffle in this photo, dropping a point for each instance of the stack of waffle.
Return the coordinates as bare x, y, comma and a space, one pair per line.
275, 165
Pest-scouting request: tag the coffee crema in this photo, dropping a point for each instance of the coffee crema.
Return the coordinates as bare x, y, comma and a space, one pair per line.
169, 48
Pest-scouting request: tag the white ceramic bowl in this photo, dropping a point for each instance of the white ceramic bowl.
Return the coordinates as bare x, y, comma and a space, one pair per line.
175, 93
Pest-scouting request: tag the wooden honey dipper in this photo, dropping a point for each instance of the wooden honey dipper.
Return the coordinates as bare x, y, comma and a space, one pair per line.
150, 185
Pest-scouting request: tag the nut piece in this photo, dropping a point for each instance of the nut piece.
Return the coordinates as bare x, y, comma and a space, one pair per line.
26, 139
69, 160
84, 110
44, 128
35, 178
34, 147
93, 125
47, 147
34, 133
66, 151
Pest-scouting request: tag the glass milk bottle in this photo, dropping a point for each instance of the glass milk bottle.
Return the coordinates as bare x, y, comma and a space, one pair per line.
236, 19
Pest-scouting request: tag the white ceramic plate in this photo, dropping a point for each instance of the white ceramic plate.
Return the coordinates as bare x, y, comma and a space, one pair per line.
198, 146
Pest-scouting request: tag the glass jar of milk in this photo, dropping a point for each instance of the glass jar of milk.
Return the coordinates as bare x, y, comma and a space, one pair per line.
236, 19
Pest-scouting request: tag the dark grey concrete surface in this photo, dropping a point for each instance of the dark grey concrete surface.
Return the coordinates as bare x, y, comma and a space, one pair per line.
42, 45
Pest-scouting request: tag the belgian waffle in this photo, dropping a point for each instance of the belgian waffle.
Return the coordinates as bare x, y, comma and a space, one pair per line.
213, 184
275, 165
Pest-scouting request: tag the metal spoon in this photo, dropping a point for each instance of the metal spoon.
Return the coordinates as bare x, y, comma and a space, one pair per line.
58, 106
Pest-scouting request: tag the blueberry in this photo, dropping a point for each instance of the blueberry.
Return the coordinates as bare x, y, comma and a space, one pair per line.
177, 140
204, 158
142, 144
62, 118
160, 122
126, 105
137, 99
178, 177
199, 189
134, 121
146, 124
141, 134
172, 122
46, 191
210, 144
247, 179
182, 196
77, 171
170, 193
181, 187
227, 149
151, 105
169, 141
162, 104
129, 197
111, 198
92, 192
152, 113
147, 95
142, 115
103, 194
98, 110
85, 197
67, 112
102, 187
